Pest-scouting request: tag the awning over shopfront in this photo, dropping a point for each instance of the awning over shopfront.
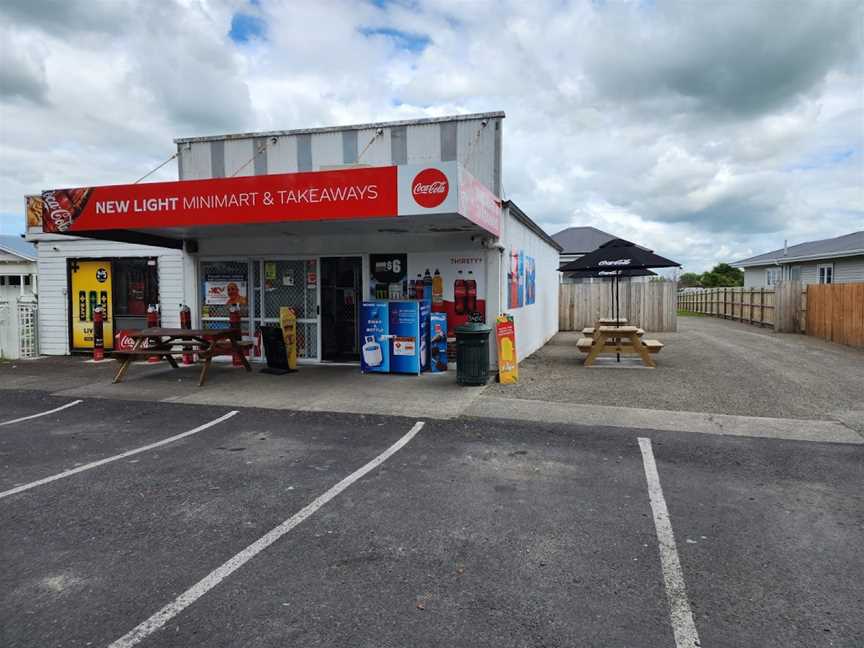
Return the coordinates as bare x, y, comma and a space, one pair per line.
443, 197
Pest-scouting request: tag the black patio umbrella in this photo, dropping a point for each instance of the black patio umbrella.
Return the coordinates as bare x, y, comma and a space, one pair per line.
618, 257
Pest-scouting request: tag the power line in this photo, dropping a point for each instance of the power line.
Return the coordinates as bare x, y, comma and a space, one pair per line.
146, 175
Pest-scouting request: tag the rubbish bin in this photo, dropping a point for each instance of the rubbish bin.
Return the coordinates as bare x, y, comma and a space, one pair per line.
472, 353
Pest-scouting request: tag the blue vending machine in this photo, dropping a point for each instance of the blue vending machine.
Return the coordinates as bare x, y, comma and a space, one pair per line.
375, 331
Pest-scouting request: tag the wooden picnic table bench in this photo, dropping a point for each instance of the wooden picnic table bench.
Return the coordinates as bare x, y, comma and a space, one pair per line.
166, 342
618, 339
589, 331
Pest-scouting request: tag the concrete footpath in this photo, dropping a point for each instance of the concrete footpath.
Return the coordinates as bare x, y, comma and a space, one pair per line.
713, 377
635, 418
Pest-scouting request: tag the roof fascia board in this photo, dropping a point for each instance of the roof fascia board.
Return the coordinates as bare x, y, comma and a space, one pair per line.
807, 257
17, 253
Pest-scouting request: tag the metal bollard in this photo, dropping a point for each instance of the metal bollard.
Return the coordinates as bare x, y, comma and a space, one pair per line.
98, 335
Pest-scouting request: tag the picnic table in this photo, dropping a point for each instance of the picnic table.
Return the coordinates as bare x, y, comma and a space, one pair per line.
618, 339
166, 342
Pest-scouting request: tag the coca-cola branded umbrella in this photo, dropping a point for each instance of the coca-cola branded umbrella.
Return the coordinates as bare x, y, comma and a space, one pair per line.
619, 257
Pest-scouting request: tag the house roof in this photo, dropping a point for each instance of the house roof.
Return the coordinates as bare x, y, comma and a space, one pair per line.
18, 246
846, 245
581, 240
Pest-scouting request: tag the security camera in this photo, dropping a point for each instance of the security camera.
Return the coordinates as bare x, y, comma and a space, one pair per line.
273, 140
379, 131
484, 123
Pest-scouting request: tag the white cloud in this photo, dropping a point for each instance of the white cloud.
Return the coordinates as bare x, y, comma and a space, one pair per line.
705, 131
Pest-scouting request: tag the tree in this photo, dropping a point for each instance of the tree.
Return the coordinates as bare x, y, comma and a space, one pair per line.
689, 280
721, 276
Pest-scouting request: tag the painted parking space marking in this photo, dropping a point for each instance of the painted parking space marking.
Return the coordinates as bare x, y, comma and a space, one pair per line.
680, 613
33, 416
123, 455
211, 580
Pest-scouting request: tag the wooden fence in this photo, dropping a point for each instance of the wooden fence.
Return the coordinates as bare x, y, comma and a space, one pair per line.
651, 305
835, 312
781, 308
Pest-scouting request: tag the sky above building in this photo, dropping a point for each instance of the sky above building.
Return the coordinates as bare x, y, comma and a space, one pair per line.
707, 131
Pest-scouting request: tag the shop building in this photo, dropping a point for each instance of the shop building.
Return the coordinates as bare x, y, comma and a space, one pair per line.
321, 220
77, 274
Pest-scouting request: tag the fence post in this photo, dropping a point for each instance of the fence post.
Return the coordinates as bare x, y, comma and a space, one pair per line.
761, 307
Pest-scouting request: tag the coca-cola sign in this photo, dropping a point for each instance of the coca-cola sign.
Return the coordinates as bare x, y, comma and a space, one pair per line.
430, 188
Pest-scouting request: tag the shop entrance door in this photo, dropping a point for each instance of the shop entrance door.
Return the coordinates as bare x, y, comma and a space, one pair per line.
291, 283
341, 288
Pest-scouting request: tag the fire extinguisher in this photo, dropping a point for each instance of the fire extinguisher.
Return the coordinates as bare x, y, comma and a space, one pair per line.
234, 323
98, 335
152, 322
186, 323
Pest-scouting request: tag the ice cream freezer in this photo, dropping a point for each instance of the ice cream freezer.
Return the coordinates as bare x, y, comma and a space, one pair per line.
395, 336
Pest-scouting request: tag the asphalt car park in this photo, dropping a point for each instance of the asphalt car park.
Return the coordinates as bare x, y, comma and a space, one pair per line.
275, 528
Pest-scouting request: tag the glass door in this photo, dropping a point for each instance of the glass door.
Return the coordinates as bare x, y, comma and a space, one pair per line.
293, 283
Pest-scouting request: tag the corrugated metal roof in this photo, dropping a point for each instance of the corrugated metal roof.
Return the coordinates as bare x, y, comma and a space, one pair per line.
18, 246
846, 245
581, 240
333, 129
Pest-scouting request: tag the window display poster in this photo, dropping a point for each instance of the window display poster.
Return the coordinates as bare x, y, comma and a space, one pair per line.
457, 283
225, 290
514, 284
530, 280
389, 276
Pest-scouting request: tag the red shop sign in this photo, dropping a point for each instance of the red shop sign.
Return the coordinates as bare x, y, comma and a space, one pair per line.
319, 195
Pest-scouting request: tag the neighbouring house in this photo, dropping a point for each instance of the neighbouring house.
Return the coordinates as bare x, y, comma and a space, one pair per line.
579, 241
834, 260
17, 268
17, 293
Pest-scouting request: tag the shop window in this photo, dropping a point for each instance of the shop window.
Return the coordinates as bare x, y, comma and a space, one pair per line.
135, 286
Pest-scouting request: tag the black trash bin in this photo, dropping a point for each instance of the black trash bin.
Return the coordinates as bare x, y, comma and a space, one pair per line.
472, 353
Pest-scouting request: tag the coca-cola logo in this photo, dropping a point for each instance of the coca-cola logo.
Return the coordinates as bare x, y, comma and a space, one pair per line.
59, 217
430, 188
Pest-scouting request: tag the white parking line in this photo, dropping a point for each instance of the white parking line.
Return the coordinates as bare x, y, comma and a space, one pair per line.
219, 574
679, 607
32, 416
102, 462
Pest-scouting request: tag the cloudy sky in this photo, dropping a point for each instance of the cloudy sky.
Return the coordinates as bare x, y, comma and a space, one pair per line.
708, 131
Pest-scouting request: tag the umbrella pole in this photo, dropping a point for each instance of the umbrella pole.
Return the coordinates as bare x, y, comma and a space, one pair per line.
617, 314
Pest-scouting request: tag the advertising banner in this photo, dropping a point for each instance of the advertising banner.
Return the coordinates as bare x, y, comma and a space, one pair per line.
288, 324
365, 192
90, 287
505, 334
33, 213
456, 283
478, 204
333, 194
530, 281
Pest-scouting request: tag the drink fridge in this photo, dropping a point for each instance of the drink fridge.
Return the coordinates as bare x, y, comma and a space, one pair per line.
395, 336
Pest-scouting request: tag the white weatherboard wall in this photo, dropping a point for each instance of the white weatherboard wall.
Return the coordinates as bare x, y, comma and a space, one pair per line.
53, 254
535, 323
